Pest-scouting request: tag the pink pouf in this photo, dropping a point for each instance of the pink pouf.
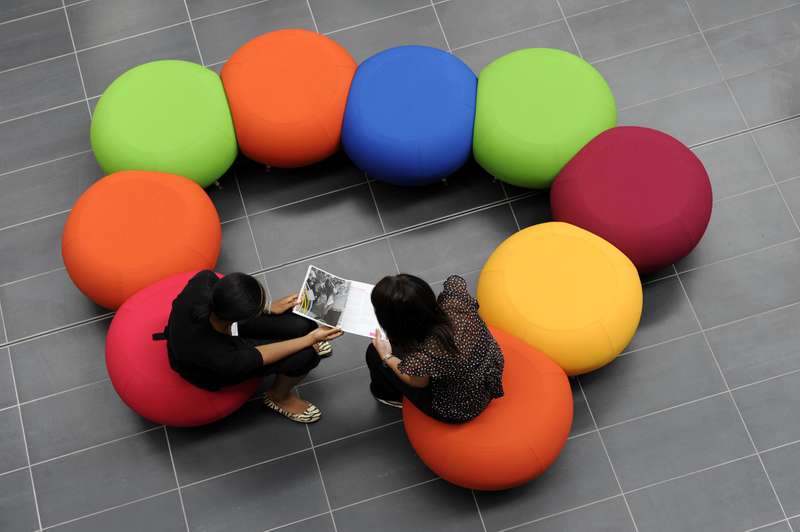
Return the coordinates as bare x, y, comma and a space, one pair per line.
640, 189
140, 371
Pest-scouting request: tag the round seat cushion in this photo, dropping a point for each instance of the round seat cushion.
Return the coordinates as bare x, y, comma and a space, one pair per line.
131, 229
287, 91
565, 291
536, 108
514, 440
166, 116
640, 189
139, 366
409, 115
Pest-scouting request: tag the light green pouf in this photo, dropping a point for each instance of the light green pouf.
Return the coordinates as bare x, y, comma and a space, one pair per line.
166, 116
536, 109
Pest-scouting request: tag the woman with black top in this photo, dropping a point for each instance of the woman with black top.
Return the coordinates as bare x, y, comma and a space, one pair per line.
225, 331
439, 353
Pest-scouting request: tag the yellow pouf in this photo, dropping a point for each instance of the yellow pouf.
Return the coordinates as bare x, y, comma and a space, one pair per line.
564, 291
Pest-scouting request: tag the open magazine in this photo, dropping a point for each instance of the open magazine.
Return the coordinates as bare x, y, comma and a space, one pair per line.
336, 302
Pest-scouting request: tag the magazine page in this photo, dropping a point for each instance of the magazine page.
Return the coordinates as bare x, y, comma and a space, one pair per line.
323, 297
359, 315
336, 302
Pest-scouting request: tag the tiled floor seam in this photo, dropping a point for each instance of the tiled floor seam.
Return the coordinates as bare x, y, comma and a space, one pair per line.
321, 477
77, 60
24, 439
110, 509
597, 429
732, 398
303, 520
691, 305
641, 488
175, 473
432, 5
608, 456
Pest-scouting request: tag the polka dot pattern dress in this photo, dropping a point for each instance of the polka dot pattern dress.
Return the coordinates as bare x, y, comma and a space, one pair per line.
462, 384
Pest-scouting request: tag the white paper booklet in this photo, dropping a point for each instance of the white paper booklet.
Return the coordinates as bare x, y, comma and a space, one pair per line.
336, 302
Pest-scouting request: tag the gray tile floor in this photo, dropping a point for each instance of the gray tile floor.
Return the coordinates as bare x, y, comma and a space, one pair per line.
694, 428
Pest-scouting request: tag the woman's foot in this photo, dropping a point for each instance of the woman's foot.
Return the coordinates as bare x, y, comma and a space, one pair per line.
324, 349
293, 408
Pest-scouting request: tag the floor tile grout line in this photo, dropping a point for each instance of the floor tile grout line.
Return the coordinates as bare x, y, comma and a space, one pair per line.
110, 509
331, 376
313, 18
598, 429
309, 198
35, 165
762, 527
508, 34
225, 11
37, 62
719, 367
359, 433
642, 488
62, 392
177, 482
244, 468
749, 18
42, 111
319, 472
686, 294
32, 15
24, 437
303, 520
250, 227
34, 220
669, 95
600, 60
77, 61
569, 28
194, 34
96, 446
562, 512
740, 255
608, 456
15, 470
441, 27
382, 495
380, 219
478, 507
130, 37
50, 332
33, 276
379, 19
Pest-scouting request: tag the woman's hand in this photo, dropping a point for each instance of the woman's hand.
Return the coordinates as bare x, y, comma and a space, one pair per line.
322, 334
282, 305
381, 344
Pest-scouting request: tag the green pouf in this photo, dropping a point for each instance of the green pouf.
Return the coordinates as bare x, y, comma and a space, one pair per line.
165, 116
536, 109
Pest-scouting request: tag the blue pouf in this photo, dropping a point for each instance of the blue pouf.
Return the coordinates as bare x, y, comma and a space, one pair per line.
409, 115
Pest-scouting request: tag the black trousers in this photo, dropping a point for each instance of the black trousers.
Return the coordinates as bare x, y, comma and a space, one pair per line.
385, 384
271, 328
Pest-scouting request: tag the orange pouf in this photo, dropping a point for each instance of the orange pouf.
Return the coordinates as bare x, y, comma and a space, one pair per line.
133, 228
287, 91
515, 439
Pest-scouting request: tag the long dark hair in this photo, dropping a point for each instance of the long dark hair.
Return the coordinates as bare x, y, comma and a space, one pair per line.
235, 297
407, 310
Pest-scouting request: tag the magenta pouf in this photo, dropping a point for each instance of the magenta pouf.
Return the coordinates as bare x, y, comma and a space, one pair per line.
640, 189
139, 367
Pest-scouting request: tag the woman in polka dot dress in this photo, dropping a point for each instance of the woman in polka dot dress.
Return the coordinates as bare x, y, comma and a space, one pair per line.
439, 353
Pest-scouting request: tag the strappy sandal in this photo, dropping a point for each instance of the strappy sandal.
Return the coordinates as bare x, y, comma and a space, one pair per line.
324, 349
310, 415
